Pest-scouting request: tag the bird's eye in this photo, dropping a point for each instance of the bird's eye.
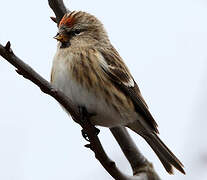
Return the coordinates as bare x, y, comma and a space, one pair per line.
77, 31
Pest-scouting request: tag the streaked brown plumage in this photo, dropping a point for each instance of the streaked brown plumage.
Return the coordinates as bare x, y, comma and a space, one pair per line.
92, 73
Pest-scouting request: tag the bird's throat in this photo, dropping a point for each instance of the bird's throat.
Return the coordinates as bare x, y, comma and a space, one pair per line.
64, 44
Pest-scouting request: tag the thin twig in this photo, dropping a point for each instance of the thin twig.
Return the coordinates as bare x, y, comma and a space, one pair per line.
58, 8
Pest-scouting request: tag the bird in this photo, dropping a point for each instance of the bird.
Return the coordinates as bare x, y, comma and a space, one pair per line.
89, 70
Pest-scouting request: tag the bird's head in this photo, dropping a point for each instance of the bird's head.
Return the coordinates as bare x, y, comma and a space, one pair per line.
80, 27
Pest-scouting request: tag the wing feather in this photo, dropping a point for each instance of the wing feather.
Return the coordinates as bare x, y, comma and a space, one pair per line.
122, 79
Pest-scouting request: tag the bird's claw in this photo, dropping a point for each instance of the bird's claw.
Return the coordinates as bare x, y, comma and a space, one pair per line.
85, 135
85, 115
88, 146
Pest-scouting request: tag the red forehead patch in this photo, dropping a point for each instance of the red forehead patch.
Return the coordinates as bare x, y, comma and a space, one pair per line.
67, 20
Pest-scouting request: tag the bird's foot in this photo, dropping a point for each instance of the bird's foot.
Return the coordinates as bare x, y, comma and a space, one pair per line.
85, 115
85, 135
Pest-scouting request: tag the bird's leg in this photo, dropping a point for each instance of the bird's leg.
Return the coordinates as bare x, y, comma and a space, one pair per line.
85, 115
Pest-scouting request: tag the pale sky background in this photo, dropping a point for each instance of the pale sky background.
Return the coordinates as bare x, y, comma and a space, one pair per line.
164, 44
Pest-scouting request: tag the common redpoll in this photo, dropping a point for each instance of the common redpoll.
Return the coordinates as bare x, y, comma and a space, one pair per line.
89, 70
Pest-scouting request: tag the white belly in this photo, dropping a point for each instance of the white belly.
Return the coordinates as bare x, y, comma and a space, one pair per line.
105, 114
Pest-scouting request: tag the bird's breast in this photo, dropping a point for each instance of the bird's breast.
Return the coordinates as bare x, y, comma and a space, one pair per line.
76, 85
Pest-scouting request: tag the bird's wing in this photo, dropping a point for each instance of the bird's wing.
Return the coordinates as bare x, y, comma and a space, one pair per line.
120, 76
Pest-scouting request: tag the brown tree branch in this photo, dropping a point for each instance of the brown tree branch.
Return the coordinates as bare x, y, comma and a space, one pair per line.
137, 161
141, 167
58, 8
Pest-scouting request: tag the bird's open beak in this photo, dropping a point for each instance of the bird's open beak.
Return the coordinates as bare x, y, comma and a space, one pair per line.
60, 37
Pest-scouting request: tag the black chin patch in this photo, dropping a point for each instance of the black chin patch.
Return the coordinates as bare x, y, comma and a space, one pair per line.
64, 44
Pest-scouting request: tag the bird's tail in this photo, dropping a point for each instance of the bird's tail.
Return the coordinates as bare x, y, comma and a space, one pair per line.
167, 158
